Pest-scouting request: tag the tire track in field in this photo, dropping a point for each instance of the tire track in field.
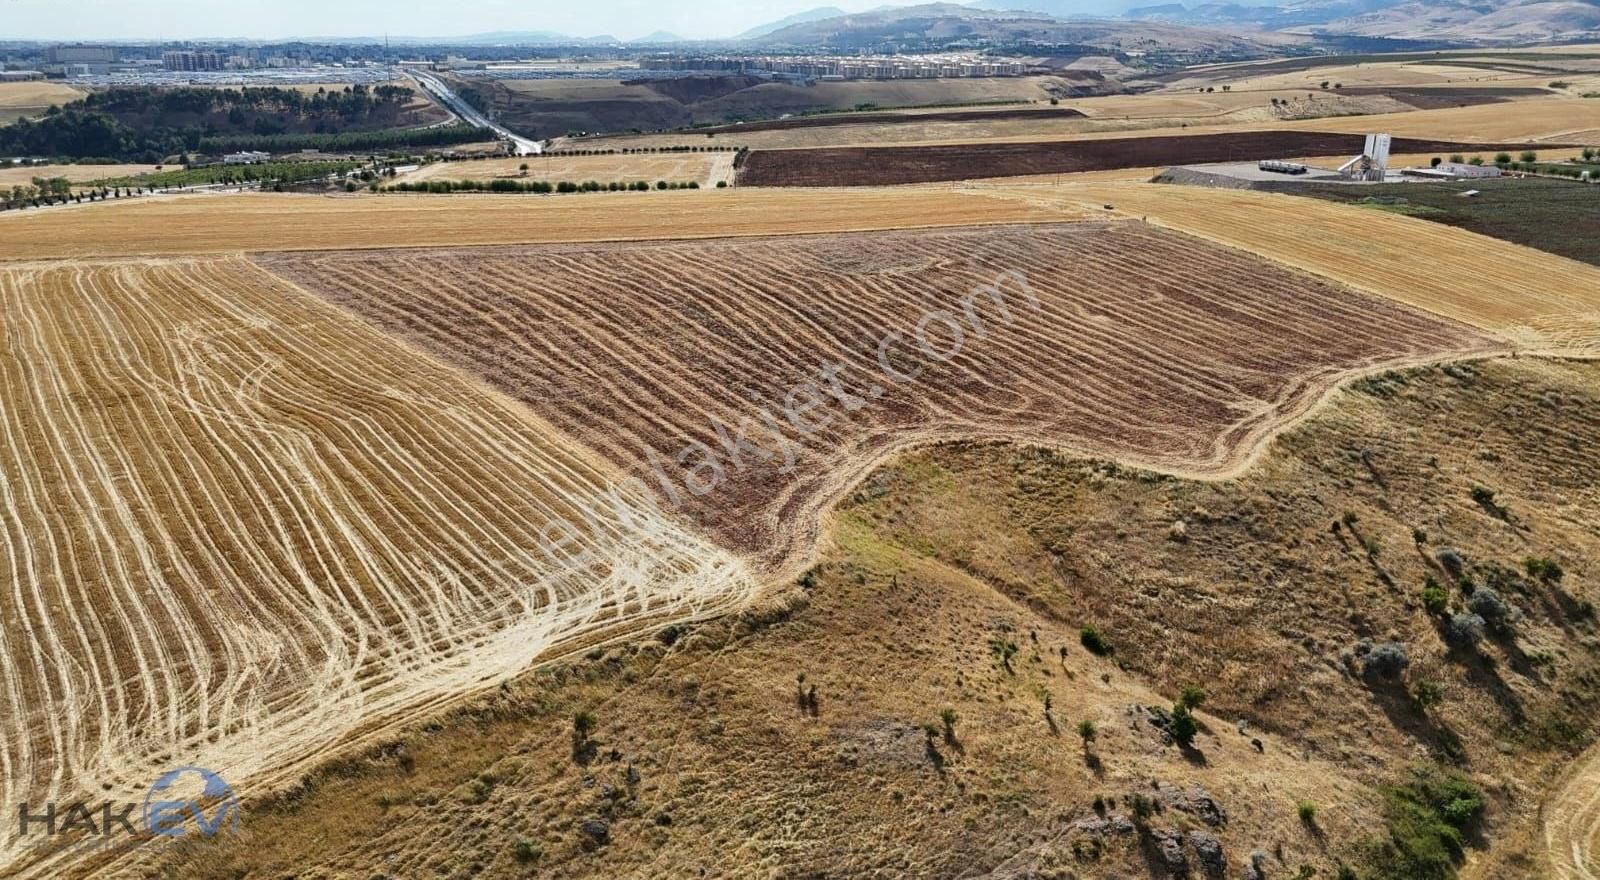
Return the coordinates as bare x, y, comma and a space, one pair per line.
1570, 823
237, 525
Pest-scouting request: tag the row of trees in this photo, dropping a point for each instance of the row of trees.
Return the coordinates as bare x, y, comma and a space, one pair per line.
57, 191
280, 172
503, 185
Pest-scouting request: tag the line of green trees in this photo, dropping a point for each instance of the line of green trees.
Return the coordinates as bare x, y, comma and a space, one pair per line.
281, 172
505, 185
57, 191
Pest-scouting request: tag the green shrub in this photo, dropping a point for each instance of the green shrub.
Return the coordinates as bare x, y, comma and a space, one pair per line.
1434, 597
1141, 807
1428, 820
1307, 811
1094, 642
527, 851
1544, 569
1428, 694
1184, 726
1191, 697
583, 724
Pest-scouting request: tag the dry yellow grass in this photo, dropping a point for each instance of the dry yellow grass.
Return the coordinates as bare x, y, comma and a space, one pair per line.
31, 95
704, 168
1537, 300
75, 173
269, 222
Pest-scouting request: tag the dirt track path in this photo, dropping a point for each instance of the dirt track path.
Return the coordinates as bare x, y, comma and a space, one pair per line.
1571, 823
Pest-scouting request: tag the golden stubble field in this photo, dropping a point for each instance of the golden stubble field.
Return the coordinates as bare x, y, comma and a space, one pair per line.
76, 173
210, 224
238, 526
703, 168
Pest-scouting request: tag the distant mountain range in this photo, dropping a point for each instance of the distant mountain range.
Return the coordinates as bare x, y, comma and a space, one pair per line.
949, 25
1464, 20
810, 15
1222, 27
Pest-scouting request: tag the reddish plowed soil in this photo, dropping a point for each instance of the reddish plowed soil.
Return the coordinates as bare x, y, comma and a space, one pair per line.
882, 166
1141, 343
886, 118
1425, 98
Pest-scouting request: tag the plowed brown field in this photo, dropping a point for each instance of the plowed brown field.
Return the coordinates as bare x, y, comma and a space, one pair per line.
1140, 343
237, 524
884, 166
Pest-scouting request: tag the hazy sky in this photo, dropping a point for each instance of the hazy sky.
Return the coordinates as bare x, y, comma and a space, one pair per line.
179, 19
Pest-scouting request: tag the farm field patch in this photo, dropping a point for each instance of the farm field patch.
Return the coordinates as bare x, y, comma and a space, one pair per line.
703, 168
240, 525
31, 95
210, 224
23, 176
881, 166
1118, 338
1540, 301
1555, 216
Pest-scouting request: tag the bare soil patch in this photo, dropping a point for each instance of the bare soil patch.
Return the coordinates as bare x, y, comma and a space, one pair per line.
1037, 114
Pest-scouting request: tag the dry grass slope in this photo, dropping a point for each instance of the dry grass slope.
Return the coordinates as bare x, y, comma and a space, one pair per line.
1142, 343
236, 524
710, 753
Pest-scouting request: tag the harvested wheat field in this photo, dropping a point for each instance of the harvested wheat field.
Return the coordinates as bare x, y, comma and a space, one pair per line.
1571, 823
239, 525
748, 383
1540, 301
29, 98
206, 224
76, 173
703, 168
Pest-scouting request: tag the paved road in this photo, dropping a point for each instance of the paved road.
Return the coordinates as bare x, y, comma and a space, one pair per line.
453, 102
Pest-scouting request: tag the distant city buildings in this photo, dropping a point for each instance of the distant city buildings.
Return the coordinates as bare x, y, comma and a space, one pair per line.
192, 61
81, 55
822, 67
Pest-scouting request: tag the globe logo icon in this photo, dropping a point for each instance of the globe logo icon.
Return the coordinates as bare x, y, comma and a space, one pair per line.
191, 801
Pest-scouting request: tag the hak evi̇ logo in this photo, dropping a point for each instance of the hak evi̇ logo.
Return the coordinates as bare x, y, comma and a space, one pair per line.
190, 801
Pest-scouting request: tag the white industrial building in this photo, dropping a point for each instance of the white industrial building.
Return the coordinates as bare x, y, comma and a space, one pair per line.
246, 158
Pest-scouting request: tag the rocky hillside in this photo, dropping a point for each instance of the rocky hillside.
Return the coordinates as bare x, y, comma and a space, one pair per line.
1366, 657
